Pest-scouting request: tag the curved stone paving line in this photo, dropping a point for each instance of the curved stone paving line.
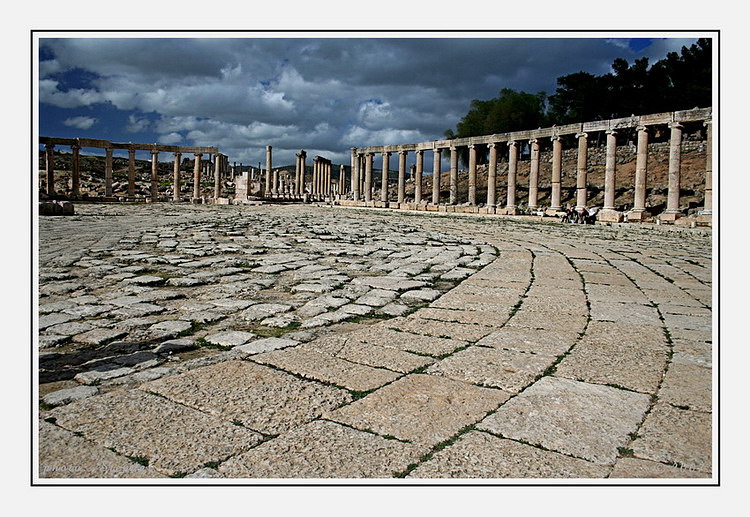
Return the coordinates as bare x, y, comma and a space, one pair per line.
574, 352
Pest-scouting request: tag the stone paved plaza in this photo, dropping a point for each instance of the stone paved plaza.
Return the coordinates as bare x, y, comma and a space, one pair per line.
290, 341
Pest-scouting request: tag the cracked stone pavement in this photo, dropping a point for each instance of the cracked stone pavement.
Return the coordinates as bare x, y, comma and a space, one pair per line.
310, 342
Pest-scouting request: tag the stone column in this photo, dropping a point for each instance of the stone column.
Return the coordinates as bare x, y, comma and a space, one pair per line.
131, 172
472, 175
49, 155
534, 174
217, 176
269, 166
641, 172
315, 175
492, 175
154, 175
108, 172
368, 176
197, 177
609, 212
418, 178
353, 178
401, 176
673, 189
582, 164
556, 203
342, 180
303, 171
297, 174
176, 181
708, 200
362, 167
510, 207
436, 158
454, 176
329, 169
384, 177
76, 169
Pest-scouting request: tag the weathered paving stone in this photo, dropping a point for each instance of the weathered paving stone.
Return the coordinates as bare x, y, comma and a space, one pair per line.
230, 338
264, 310
506, 369
471, 317
675, 436
645, 469
323, 449
265, 345
258, 397
94, 376
63, 454
70, 328
54, 318
687, 385
172, 327
583, 420
632, 313
68, 395
327, 368
536, 341
450, 330
390, 283
136, 424
481, 455
99, 336
382, 357
423, 409
382, 335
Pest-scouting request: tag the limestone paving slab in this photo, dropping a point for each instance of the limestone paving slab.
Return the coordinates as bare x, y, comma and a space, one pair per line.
635, 468
383, 335
675, 436
578, 419
324, 449
495, 318
259, 397
173, 438
687, 385
425, 409
230, 338
536, 341
327, 368
63, 454
481, 455
449, 330
509, 370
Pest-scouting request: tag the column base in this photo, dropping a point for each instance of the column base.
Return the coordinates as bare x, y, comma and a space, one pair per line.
608, 215
669, 217
508, 210
554, 211
637, 216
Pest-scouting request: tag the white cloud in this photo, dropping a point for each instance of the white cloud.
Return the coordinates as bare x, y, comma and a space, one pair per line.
80, 122
170, 138
136, 124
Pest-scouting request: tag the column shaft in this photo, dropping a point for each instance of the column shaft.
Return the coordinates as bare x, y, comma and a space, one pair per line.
610, 170
76, 170
492, 175
708, 200
269, 166
534, 174
131, 172
108, 172
641, 170
154, 175
436, 156
418, 177
176, 178
368, 177
401, 176
342, 180
556, 203
453, 189
673, 189
49, 154
384, 177
197, 177
472, 175
582, 164
217, 176
512, 171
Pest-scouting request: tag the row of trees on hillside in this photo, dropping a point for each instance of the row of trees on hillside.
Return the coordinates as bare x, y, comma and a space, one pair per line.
677, 82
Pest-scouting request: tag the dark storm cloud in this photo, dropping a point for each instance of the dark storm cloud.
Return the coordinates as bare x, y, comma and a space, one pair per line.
322, 94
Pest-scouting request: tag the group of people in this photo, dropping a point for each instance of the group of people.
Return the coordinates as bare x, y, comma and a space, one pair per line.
583, 217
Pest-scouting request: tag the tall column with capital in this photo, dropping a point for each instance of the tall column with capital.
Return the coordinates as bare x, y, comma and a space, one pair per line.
362, 167
401, 176
673, 188
556, 203
303, 171
492, 175
436, 155
641, 172
176, 178
315, 177
534, 174
384, 177
453, 192
197, 176
356, 172
217, 175
418, 177
368, 176
329, 170
581, 166
49, 154
353, 166
708, 200
131, 172
269, 165
108, 172
342, 180
297, 170
510, 206
472, 174
154, 175
76, 169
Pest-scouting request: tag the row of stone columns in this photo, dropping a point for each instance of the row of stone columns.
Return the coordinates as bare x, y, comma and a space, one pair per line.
362, 161
219, 166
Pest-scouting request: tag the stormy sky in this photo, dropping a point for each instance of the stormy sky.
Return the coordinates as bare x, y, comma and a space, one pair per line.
324, 94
